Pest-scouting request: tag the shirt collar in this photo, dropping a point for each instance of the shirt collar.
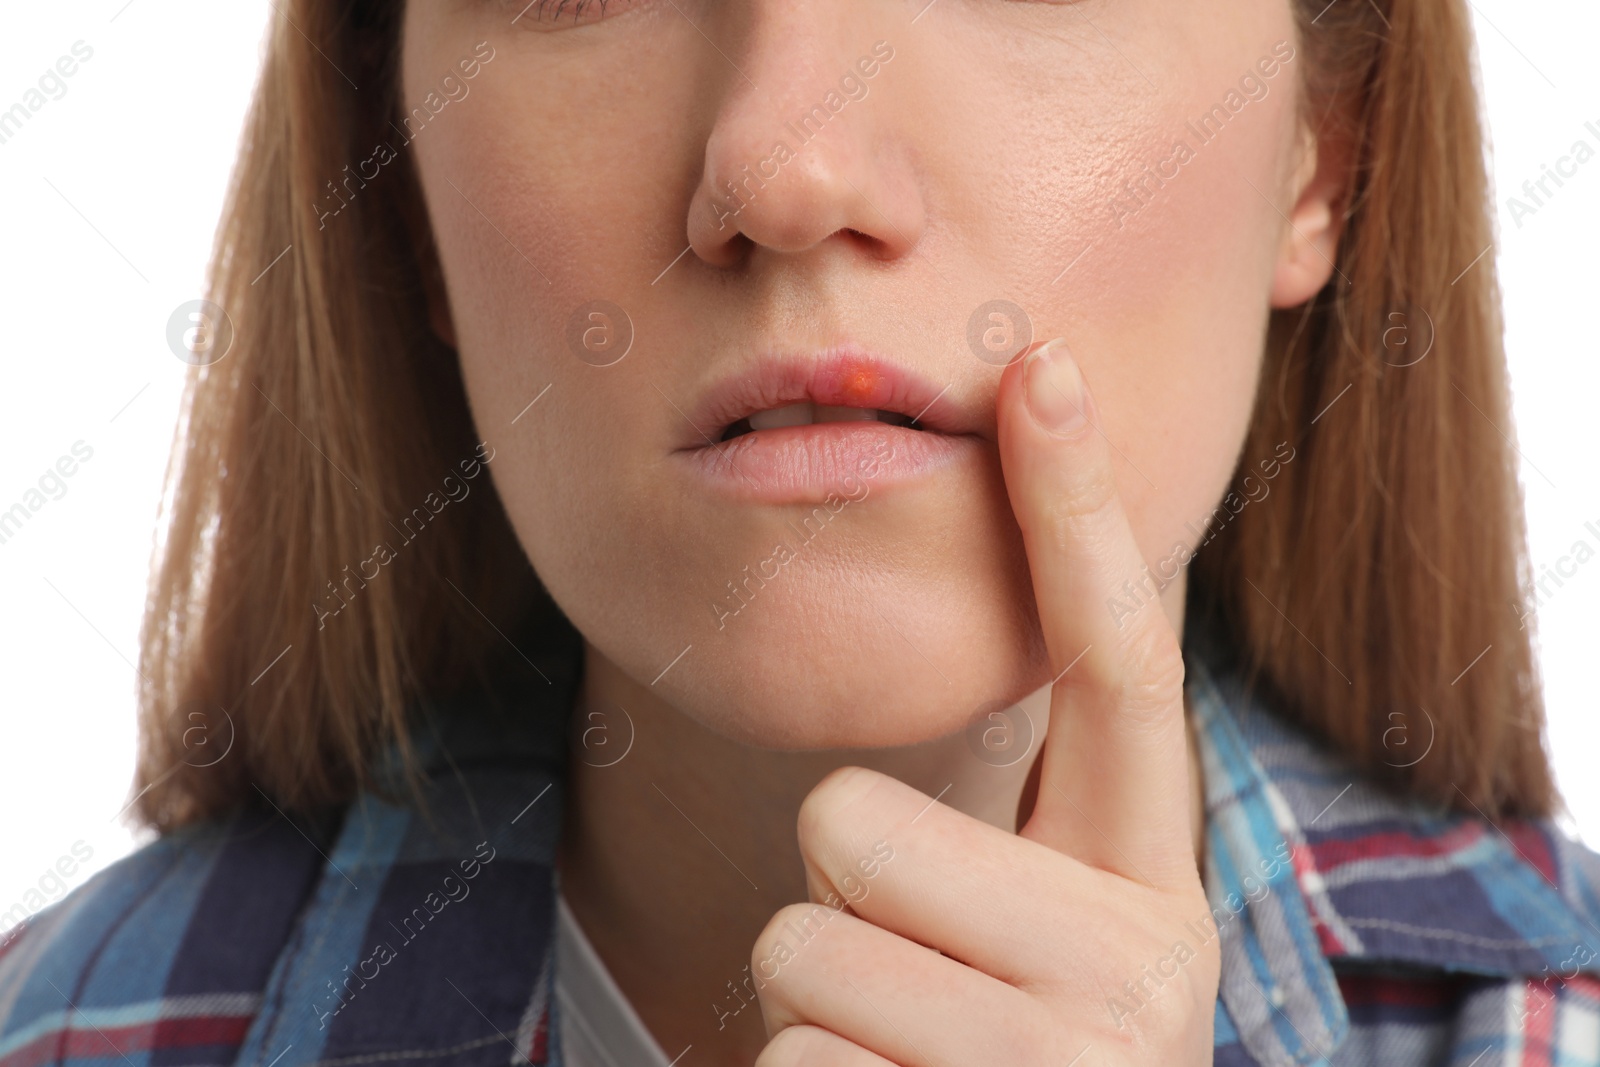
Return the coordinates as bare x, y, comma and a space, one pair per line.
1310, 865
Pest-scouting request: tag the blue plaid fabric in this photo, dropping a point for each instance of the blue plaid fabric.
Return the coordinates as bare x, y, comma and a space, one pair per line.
1360, 928
1355, 927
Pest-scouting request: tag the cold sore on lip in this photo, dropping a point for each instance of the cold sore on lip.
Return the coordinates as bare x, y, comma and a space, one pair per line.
804, 463
858, 381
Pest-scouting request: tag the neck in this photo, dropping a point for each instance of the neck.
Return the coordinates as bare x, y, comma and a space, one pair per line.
675, 855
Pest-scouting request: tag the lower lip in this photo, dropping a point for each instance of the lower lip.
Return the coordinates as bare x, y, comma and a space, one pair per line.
807, 464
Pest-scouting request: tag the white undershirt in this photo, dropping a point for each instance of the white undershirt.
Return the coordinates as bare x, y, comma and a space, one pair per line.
599, 1028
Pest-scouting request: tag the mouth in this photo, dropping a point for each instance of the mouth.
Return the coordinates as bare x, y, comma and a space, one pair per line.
809, 413
841, 385
802, 428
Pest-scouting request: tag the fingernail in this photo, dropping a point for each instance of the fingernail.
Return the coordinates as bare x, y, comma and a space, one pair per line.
1054, 388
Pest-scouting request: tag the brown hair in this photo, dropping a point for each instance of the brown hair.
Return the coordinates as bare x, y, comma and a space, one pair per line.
1387, 563
1378, 602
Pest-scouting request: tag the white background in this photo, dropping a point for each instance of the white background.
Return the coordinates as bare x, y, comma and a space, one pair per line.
109, 197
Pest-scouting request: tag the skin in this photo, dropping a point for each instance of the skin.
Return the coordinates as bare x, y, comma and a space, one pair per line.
981, 162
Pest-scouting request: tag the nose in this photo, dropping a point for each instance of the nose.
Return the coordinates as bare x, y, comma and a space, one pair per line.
805, 147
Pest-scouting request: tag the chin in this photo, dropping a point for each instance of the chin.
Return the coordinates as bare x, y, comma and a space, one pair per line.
896, 624
840, 660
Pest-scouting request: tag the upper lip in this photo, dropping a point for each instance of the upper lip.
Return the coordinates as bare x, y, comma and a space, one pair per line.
844, 375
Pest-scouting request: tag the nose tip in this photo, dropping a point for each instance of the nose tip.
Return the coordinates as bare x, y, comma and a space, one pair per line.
792, 201
785, 172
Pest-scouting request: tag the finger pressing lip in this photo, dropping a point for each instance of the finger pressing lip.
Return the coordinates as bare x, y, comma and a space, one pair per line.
1113, 788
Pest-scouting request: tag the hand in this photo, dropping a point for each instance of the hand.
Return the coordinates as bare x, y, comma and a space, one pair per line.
1078, 939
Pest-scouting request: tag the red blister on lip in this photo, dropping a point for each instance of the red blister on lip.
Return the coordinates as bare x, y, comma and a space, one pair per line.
859, 383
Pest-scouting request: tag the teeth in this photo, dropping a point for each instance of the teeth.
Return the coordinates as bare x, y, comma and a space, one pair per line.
793, 415
826, 413
805, 413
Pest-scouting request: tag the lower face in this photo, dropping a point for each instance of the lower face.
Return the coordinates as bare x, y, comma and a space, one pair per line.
1115, 172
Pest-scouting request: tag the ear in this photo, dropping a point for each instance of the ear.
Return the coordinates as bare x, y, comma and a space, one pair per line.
1311, 240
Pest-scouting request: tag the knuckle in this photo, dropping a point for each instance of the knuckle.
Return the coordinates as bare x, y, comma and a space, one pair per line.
1083, 500
1154, 678
794, 1046
1030, 1037
769, 936
1158, 989
828, 800
1171, 1015
774, 949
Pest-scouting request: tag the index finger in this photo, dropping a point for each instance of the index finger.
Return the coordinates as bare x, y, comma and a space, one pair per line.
1114, 785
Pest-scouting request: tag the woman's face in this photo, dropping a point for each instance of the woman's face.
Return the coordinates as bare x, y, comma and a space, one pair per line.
896, 168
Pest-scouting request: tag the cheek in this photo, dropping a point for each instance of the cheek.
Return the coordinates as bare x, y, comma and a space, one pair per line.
1171, 320
556, 185
537, 221
1156, 261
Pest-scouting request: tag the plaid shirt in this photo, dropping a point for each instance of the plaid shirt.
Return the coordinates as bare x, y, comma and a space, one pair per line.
1356, 928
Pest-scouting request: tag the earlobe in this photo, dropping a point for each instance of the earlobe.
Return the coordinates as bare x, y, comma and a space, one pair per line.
1311, 240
